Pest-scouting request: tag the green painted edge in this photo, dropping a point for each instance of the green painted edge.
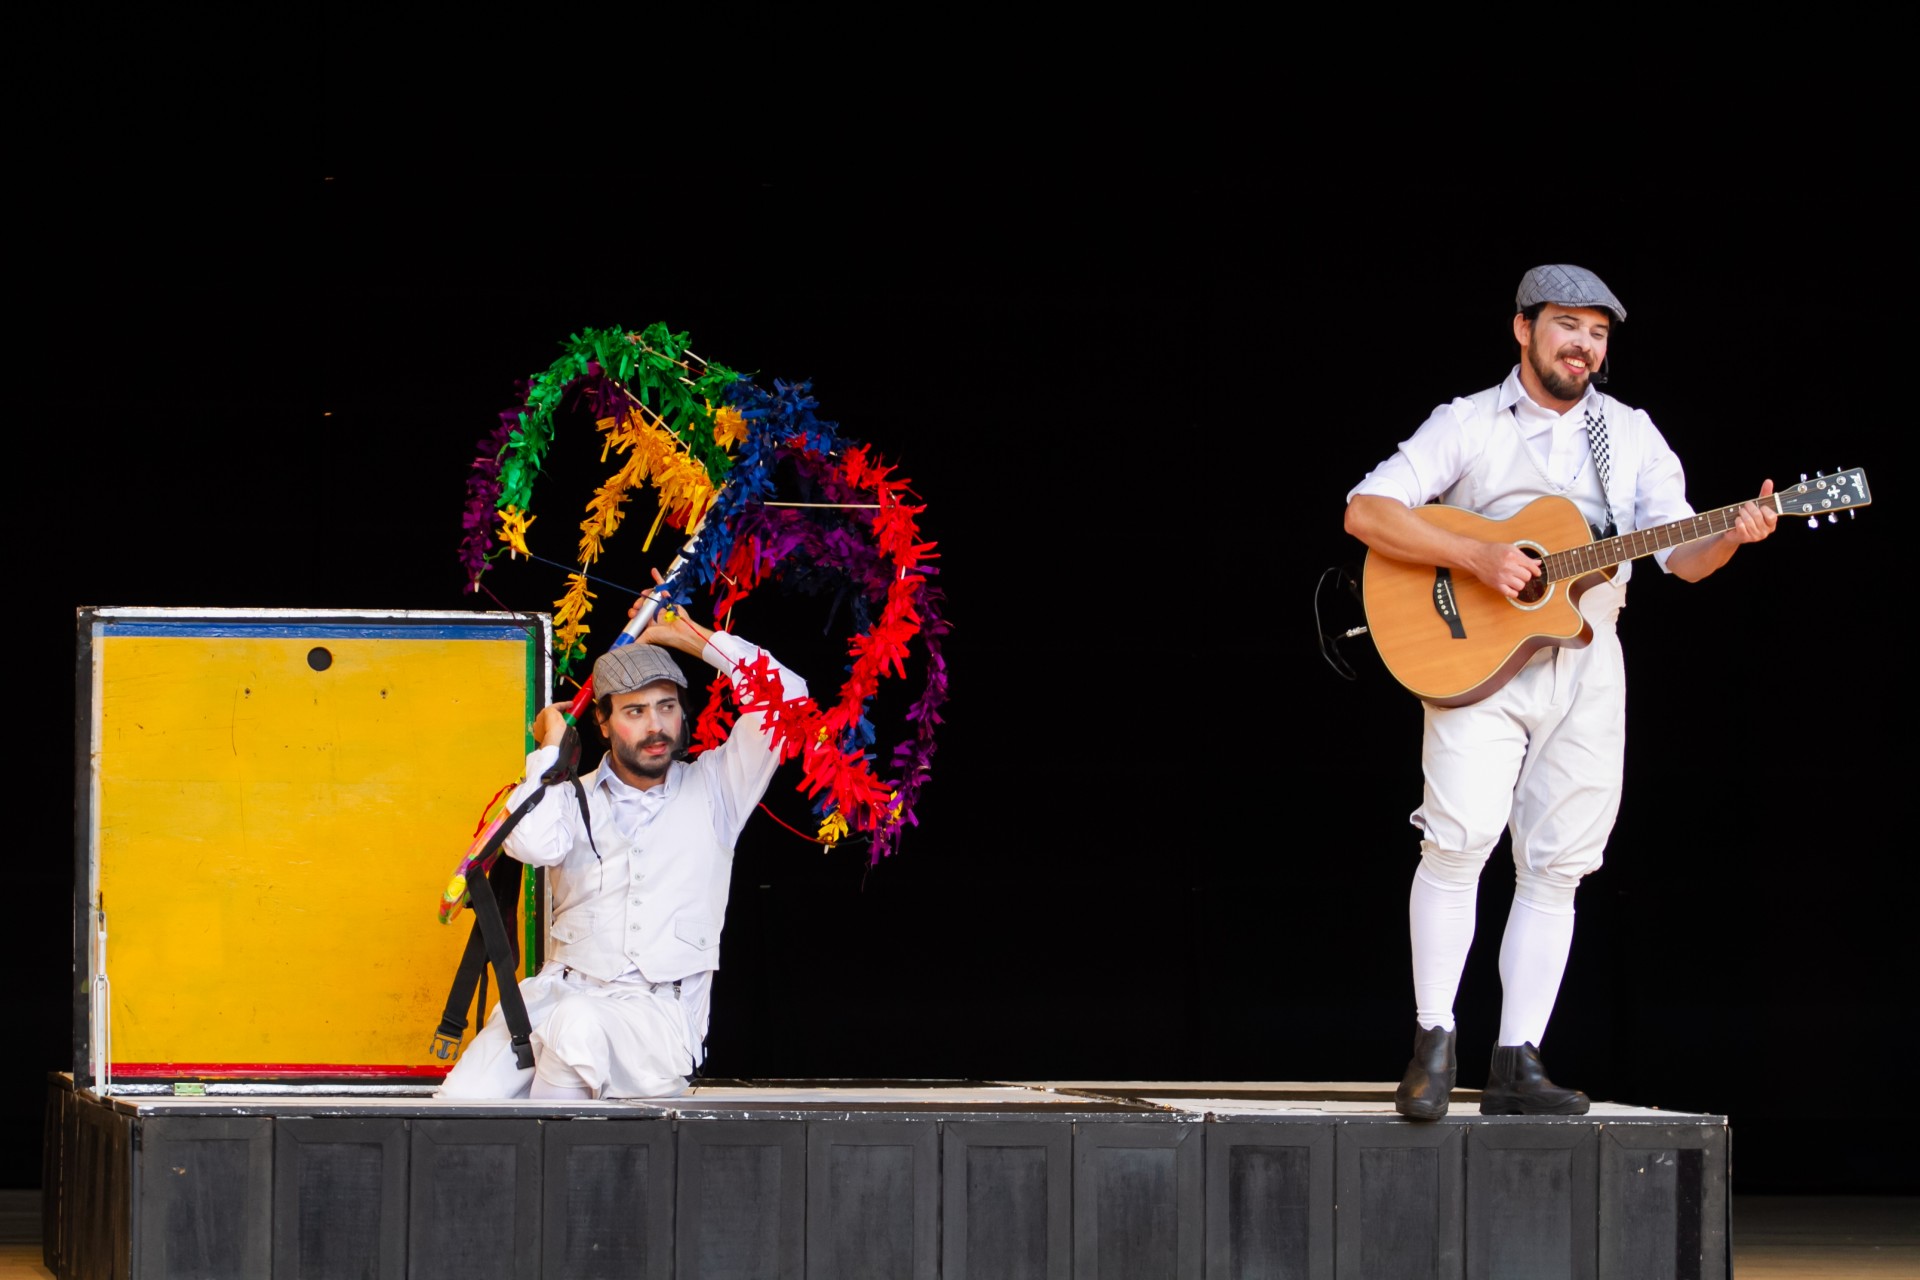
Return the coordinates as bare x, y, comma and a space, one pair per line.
529, 893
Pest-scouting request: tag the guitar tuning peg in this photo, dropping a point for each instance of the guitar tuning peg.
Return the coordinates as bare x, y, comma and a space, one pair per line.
1833, 517
1813, 522
1803, 477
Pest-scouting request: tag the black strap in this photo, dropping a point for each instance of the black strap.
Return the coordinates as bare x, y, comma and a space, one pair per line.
567, 769
490, 941
504, 955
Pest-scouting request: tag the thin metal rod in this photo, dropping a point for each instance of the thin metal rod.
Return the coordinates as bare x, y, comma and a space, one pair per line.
649, 606
678, 364
660, 424
653, 414
634, 338
861, 506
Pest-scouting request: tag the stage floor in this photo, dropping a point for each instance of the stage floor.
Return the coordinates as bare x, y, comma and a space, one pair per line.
884, 1179
1184, 1099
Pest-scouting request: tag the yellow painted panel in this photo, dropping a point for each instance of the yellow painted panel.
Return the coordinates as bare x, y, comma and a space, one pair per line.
272, 840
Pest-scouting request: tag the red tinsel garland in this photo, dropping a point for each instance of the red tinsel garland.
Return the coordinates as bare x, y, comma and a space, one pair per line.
800, 726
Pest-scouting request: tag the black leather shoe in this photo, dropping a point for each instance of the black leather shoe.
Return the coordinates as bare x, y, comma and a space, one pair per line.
1517, 1085
1428, 1083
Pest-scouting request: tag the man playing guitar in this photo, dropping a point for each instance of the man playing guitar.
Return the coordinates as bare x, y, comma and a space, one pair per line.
1542, 752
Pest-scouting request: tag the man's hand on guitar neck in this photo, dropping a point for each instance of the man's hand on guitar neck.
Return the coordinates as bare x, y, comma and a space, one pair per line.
1393, 530
1756, 520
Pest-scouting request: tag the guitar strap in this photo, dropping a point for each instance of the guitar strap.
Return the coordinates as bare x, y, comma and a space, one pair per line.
1600, 449
1599, 452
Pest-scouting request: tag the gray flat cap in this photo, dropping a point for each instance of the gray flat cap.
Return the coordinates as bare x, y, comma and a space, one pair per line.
634, 666
1566, 286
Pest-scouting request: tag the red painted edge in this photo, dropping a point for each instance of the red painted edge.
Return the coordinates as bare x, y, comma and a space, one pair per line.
194, 1070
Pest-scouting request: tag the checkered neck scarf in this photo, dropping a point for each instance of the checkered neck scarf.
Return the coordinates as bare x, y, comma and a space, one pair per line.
1602, 461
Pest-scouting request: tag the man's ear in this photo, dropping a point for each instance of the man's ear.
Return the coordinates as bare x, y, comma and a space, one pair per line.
1522, 328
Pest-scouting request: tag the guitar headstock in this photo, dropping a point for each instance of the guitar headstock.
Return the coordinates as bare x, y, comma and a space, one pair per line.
1824, 495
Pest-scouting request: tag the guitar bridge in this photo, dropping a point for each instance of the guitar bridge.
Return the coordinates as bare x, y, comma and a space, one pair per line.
1445, 605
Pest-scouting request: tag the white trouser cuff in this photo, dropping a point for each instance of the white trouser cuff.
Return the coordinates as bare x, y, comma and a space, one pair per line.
1448, 869
1546, 891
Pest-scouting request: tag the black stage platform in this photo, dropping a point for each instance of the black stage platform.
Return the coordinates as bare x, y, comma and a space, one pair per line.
889, 1180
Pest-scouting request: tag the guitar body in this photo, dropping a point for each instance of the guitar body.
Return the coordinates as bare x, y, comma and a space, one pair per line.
1451, 639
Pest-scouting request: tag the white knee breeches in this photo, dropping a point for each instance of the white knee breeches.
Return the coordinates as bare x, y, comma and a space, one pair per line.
1542, 756
617, 1040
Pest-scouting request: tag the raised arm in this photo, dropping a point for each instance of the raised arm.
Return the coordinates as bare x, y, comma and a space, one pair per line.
671, 628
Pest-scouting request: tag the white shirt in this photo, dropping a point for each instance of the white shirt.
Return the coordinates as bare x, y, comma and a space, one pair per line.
1649, 485
645, 899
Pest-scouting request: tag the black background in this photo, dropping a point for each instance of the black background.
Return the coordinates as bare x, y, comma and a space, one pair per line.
1133, 353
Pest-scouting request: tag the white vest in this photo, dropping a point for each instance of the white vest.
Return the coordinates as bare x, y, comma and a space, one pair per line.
658, 903
1502, 475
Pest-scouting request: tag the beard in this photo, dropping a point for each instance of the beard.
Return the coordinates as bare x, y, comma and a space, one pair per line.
633, 756
1558, 383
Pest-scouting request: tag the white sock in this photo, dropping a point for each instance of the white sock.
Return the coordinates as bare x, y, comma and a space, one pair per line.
1533, 956
1440, 920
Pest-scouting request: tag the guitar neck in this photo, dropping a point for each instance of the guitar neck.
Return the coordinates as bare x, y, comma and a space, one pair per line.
1577, 562
1843, 490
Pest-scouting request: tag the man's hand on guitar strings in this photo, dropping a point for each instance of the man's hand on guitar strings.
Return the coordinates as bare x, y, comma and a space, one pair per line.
1502, 566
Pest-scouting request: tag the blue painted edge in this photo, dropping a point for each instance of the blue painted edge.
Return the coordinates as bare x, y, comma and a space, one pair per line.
317, 630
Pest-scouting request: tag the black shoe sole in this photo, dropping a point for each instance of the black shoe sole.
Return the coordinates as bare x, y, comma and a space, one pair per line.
1418, 1114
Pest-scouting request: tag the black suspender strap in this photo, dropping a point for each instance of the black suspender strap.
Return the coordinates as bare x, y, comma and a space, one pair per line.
504, 955
490, 941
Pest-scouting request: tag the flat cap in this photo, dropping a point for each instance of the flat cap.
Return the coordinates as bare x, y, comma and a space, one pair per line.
1567, 286
627, 667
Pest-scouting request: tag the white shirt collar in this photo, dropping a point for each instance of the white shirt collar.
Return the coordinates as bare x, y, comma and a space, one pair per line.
620, 791
1532, 414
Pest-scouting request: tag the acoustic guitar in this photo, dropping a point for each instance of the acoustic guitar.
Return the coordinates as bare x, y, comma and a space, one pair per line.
1452, 640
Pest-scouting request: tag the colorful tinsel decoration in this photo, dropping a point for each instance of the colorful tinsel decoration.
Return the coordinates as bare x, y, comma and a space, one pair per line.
708, 442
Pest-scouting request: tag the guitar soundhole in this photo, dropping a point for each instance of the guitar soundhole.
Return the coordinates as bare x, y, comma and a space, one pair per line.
1535, 590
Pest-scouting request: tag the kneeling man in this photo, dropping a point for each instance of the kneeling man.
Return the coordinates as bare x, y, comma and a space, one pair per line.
639, 896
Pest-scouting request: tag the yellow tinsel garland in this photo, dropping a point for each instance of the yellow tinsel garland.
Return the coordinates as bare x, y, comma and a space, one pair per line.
651, 454
570, 611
